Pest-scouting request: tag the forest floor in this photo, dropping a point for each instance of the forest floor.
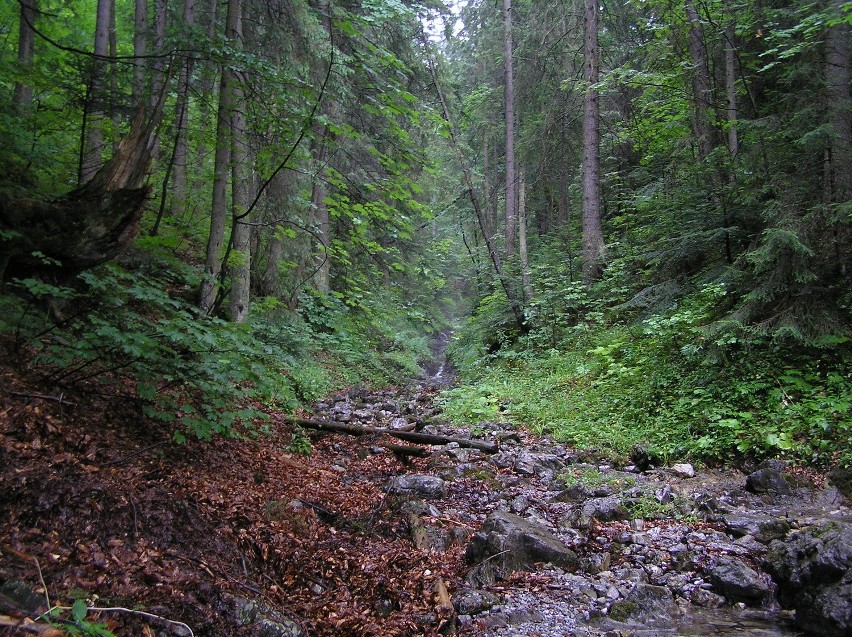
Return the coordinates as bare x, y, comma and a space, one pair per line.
98, 505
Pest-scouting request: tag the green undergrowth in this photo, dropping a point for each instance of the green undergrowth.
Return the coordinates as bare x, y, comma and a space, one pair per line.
676, 382
135, 332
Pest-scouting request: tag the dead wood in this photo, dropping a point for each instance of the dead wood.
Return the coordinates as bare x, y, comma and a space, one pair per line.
408, 436
88, 226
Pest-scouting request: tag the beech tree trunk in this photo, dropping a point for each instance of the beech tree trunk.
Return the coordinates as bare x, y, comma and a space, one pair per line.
509, 97
22, 99
593, 244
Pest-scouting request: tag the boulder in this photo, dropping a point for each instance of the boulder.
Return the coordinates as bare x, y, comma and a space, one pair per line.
738, 582
768, 480
508, 543
417, 485
813, 569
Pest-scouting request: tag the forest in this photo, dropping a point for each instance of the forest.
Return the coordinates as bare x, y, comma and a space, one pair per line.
624, 226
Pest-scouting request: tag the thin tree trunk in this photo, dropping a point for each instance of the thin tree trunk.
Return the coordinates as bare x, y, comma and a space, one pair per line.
22, 99
221, 165
731, 84
593, 244
97, 86
140, 47
241, 180
181, 123
522, 233
703, 100
509, 97
319, 209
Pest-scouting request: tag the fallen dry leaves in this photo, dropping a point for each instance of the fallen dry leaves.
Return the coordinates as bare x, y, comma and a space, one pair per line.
110, 514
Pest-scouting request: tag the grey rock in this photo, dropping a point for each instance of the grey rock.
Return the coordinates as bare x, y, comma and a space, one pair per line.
604, 509
683, 470
813, 568
418, 485
472, 601
768, 480
513, 543
762, 528
738, 582
575, 493
265, 621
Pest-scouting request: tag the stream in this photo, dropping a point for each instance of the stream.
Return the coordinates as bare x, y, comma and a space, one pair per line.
562, 542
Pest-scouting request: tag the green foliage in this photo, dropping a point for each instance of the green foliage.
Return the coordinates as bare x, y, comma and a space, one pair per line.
78, 625
300, 443
686, 385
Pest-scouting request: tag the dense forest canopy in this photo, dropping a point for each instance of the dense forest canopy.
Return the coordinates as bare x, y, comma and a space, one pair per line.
639, 210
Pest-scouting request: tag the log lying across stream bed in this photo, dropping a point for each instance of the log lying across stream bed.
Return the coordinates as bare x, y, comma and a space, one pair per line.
410, 436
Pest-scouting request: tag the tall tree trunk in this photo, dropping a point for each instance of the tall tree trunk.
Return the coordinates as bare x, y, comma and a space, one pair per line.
593, 244
140, 48
319, 212
522, 233
218, 211
181, 123
702, 94
509, 97
241, 181
281, 189
839, 169
731, 82
840, 110
22, 98
93, 151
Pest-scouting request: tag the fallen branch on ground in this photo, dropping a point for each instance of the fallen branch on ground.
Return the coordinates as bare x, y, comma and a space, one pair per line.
409, 436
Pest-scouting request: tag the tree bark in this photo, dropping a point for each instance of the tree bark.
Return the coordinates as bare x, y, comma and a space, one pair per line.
522, 234
509, 97
181, 122
93, 151
140, 47
22, 99
219, 205
241, 181
319, 212
701, 89
731, 83
840, 110
409, 436
593, 244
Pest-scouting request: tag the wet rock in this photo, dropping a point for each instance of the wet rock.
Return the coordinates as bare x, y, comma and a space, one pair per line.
738, 582
813, 569
472, 601
514, 543
762, 528
707, 599
768, 480
647, 604
418, 485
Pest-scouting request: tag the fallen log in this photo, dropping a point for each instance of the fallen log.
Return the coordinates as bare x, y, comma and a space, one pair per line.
408, 436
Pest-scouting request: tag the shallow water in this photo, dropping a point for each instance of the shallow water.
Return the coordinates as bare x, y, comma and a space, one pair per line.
730, 622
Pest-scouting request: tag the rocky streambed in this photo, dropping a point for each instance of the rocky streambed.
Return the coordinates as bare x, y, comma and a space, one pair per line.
560, 542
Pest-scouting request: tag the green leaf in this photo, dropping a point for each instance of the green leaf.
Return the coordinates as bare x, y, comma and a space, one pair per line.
79, 610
